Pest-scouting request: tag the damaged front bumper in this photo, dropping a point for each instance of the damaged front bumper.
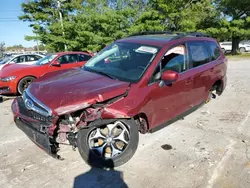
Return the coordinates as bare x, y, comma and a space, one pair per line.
40, 139
36, 131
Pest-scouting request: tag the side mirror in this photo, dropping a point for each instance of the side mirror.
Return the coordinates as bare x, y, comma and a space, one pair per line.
169, 76
56, 64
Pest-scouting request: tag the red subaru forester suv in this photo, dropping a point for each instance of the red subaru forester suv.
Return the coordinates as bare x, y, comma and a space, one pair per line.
137, 84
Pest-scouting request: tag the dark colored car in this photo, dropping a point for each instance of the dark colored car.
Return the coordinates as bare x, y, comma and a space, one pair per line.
137, 84
15, 78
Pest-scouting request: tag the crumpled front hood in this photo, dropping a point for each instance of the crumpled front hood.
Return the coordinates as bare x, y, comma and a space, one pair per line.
75, 89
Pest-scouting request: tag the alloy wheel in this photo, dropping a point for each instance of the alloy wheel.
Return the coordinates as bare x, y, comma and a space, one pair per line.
110, 140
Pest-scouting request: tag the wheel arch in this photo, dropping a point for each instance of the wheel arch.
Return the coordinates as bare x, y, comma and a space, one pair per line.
142, 122
218, 86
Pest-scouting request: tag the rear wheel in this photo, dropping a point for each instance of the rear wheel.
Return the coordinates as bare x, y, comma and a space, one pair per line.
109, 145
24, 84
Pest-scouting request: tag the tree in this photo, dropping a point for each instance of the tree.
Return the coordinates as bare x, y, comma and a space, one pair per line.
15, 47
236, 20
91, 24
2, 44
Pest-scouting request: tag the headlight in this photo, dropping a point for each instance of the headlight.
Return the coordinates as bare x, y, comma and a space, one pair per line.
7, 79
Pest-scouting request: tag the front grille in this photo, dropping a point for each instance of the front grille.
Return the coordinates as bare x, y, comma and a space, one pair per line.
35, 105
30, 113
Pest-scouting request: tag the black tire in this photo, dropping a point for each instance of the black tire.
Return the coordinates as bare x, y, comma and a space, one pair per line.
94, 160
242, 50
24, 83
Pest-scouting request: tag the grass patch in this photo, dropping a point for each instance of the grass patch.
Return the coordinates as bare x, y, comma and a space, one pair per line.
244, 55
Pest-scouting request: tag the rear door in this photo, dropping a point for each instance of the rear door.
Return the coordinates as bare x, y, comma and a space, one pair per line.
202, 68
31, 59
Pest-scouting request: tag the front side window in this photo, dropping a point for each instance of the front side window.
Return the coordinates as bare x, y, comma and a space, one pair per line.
32, 58
122, 61
175, 59
19, 59
68, 58
198, 53
214, 50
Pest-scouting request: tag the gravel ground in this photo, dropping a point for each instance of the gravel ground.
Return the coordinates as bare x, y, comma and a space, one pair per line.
209, 148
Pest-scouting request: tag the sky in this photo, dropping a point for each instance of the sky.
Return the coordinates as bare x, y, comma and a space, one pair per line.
12, 30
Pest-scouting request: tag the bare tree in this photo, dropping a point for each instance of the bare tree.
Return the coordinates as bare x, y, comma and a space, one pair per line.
2, 44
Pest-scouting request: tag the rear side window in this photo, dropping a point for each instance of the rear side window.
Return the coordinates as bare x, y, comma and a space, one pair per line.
198, 53
68, 58
214, 50
32, 58
84, 57
19, 59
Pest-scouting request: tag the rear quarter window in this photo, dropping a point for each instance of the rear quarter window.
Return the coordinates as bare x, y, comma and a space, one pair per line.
214, 50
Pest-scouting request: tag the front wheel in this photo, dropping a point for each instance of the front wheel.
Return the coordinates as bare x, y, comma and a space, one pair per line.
110, 145
24, 84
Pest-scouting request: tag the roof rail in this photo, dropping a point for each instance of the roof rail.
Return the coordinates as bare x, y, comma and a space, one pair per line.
151, 33
177, 33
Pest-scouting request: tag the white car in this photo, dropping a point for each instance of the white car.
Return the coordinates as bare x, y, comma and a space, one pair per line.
227, 47
27, 59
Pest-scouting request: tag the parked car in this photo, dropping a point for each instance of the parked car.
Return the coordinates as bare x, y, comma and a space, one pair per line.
15, 78
136, 84
227, 47
27, 59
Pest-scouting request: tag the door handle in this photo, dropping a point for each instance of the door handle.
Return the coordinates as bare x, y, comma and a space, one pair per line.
212, 70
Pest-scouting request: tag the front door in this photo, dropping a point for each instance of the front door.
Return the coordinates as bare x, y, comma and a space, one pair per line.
169, 100
68, 61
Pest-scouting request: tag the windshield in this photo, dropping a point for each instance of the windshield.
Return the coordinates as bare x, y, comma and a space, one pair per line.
5, 60
46, 59
122, 61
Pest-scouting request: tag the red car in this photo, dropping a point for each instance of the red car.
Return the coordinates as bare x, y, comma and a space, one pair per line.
15, 78
137, 84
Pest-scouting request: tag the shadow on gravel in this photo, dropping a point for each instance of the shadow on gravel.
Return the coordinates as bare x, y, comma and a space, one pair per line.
97, 177
5, 98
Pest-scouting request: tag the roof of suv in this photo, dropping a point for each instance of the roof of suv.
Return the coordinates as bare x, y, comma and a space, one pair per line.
161, 39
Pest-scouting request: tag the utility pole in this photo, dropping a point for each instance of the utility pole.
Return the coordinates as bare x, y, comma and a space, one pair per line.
37, 44
61, 21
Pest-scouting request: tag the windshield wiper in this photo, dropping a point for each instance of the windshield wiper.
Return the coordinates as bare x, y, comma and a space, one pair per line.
102, 73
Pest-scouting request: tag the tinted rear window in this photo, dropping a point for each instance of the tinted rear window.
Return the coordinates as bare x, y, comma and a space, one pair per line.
198, 52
